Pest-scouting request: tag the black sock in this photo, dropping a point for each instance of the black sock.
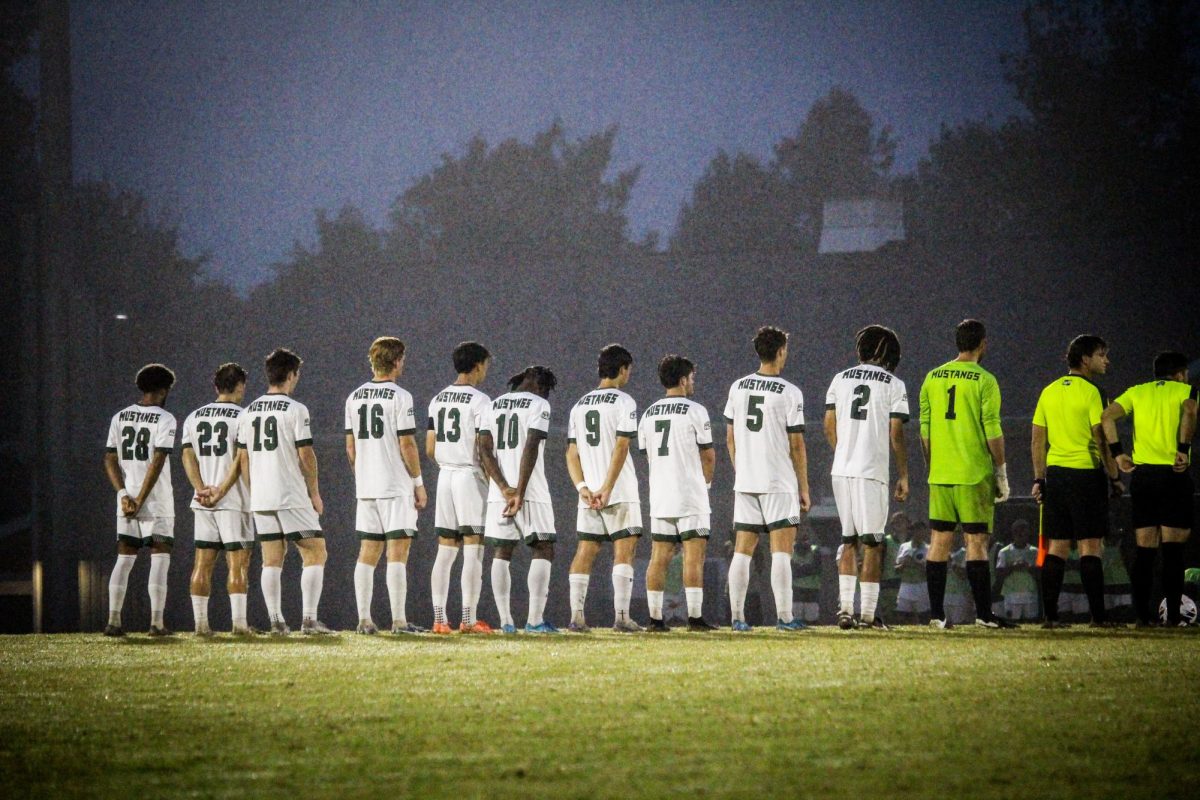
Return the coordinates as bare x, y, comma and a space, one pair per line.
1172, 578
935, 580
1143, 582
1091, 571
980, 578
1052, 580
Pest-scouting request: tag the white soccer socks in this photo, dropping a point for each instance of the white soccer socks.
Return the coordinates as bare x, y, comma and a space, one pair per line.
539, 588
846, 586
237, 609
439, 580
272, 592
200, 612
622, 583
739, 582
579, 588
655, 601
364, 588
157, 588
870, 599
695, 602
117, 583
501, 589
312, 579
471, 582
397, 586
781, 584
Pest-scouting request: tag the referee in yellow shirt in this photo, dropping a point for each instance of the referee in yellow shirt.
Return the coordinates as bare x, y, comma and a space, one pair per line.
1164, 422
1074, 475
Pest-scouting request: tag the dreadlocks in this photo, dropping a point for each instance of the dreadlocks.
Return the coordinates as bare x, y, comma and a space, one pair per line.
542, 377
878, 345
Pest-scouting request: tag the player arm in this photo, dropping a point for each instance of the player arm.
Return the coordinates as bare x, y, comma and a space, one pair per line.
191, 468
730, 447
1187, 431
1037, 451
411, 456
529, 457
708, 462
243, 466
575, 470
799, 456
487, 459
899, 447
152, 472
1106, 458
112, 468
308, 468
619, 454
831, 427
430, 443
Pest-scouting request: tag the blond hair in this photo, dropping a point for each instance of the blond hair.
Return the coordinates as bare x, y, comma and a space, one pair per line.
384, 353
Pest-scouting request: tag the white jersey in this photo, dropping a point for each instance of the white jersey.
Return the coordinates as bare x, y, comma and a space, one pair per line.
513, 417
272, 429
456, 413
211, 431
672, 433
596, 421
135, 434
763, 410
377, 413
865, 399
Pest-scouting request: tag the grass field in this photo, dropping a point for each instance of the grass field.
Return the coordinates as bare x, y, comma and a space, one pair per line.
823, 713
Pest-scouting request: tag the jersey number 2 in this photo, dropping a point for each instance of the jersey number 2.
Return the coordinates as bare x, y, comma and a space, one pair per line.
862, 396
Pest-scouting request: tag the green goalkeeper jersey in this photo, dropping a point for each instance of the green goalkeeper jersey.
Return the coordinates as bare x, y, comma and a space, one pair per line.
960, 411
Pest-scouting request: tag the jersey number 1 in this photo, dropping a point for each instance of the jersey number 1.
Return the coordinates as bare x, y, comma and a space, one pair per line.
950, 407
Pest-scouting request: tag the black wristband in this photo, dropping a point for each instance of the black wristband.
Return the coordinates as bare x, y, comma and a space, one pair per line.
1039, 482
1115, 449
1184, 447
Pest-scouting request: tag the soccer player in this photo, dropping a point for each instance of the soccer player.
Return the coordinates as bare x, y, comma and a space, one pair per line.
140, 437
912, 600
675, 433
456, 415
519, 506
275, 453
764, 433
382, 450
865, 409
957, 587
221, 514
806, 577
889, 578
1015, 566
1164, 422
964, 448
599, 431
1069, 470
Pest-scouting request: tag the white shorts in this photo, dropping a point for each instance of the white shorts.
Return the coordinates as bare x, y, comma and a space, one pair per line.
613, 522
287, 523
144, 532
1074, 602
763, 513
461, 504
806, 612
678, 529
913, 598
1021, 605
533, 523
380, 518
862, 506
959, 609
221, 528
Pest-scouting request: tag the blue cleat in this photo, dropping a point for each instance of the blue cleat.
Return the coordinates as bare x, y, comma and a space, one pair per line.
544, 627
740, 626
794, 625
508, 628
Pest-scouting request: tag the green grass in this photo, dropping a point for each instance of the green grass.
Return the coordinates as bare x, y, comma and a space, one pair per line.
912, 713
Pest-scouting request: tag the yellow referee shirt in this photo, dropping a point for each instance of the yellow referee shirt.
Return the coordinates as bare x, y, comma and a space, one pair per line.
1156, 407
1069, 409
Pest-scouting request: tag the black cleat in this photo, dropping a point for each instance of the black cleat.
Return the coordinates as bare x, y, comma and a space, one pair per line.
114, 630
657, 626
845, 621
699, 625
160, 630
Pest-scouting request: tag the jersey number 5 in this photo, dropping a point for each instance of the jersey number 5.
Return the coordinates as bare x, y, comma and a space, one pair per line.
754, 412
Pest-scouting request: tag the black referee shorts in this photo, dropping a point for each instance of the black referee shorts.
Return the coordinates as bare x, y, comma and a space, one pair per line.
1161, 497
1075, 503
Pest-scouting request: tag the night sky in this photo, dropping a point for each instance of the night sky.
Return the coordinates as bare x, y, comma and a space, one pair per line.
239, 120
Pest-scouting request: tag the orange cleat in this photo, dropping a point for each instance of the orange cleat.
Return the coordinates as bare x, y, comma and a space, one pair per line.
479, 627
441, 627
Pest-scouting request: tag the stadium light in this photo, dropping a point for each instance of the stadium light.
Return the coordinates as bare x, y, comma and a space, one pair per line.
121, 317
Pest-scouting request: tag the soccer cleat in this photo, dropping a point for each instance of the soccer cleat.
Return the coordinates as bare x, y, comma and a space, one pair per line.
366, 627
479, 627
627, 626
407, 627
699, 625
279, 628
995, 623
441, 628
845, 621
794, 625
508, 628
876, 624
578, 627
160, 630
1055, 625
657, 626
542, 627
114, 630
741, 626
312, 626
940, 624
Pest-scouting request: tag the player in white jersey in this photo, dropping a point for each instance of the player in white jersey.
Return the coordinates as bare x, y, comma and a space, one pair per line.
275, 453
865, 410
511, 447
676, 435
599, 431
140, 438
764, 432
455, 415
222, 518
382, 449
